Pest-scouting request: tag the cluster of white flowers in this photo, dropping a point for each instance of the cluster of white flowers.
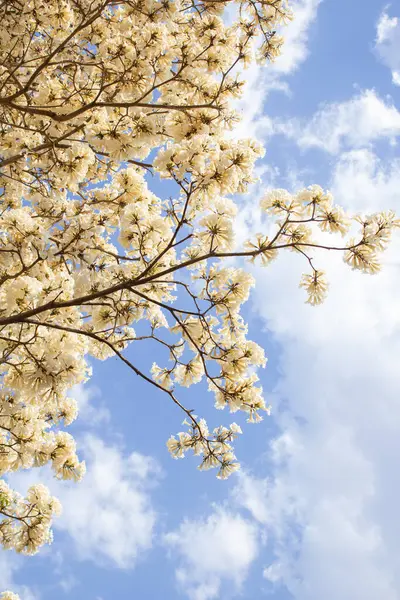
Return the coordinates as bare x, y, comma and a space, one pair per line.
217, 452
298, 214
26, 439
9, 596
26, 523
89, 89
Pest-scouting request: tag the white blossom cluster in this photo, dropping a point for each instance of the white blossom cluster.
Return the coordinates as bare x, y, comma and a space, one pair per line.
89, 90
26, 522
9, 596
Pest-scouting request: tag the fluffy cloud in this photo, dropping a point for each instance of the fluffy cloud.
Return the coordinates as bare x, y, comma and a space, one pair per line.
109, 515
92, 410
387, 43
254, 123
10, 564
364, 119
260, 81
297, 37
215, 550
331, 504
329, 508
365, 182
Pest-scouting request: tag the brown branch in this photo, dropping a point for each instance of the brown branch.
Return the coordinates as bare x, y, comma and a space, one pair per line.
138, 281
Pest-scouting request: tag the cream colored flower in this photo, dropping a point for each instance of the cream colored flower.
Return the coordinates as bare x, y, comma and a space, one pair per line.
316, 287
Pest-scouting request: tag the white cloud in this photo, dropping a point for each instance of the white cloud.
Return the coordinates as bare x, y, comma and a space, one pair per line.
387, 43
91, 410
109, 515
261, 80
254, 123
296, 35
68, 583
214, 551
331, 504
364, 182
10, 564
362, 120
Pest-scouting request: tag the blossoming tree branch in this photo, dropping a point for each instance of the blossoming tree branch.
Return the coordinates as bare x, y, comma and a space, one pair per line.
95, 97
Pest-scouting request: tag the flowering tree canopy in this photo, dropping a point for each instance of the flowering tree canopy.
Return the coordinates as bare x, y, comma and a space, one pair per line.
94, 96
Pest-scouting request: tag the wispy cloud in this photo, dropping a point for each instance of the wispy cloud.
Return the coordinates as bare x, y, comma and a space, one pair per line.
387, 43
10, 564
92, 410
330, 504
364, 119
260, 81
297, 37
212, 552
108, 516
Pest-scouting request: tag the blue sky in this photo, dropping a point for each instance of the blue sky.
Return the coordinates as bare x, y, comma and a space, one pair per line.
313, 513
